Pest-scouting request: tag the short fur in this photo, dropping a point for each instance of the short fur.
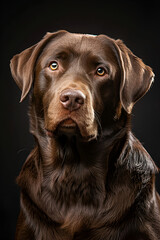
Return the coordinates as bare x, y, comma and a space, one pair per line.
87, 177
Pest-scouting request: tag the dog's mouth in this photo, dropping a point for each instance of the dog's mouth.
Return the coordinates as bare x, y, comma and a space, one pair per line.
69, 127
66, 127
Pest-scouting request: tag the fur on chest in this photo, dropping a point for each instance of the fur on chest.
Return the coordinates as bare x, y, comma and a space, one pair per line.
73, 185
73, 195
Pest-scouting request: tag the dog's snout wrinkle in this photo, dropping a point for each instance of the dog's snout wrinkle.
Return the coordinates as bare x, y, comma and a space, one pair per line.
72, 99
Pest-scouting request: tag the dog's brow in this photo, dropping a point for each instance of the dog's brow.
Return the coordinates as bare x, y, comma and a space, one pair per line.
63, 52
97, 59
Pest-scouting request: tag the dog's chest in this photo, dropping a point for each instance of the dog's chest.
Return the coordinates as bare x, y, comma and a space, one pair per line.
76, 195
74, 185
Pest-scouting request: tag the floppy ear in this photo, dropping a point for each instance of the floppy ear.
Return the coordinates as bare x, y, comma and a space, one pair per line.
22, 65
136, 77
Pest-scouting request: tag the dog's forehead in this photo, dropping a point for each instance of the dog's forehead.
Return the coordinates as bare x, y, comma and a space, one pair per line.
79, 42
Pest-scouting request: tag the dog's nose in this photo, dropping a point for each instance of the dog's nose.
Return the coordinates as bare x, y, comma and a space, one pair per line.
72, 99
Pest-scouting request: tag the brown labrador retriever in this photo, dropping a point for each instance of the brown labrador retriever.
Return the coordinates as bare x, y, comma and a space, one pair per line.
87, 177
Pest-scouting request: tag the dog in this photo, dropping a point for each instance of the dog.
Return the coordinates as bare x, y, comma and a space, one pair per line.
88, 177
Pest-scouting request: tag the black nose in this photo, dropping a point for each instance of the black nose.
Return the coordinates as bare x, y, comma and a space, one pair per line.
72, 99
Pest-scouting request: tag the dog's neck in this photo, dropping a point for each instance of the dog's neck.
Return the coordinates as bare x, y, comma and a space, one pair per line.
73, 171
102, 153
71, 150
69, 162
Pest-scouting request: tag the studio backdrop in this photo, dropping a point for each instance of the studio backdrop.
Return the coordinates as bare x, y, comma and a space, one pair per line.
24, 23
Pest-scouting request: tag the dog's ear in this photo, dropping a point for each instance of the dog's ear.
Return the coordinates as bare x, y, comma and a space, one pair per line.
22, 65
136, 77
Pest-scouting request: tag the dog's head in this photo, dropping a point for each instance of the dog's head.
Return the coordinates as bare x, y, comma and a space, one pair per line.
79, 78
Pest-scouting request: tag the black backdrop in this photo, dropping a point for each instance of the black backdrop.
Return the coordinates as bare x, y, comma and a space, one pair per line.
24, 23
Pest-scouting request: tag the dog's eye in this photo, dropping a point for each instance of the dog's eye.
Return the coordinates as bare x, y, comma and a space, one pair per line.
53, 66
100, 71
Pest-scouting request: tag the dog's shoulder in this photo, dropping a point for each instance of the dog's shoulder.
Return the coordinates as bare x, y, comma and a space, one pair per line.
135, 157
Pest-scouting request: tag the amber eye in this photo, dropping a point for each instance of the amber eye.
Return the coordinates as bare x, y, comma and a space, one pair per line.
53, 66
100, 71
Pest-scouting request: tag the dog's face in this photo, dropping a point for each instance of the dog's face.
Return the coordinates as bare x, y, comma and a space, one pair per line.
71, 74
81, 82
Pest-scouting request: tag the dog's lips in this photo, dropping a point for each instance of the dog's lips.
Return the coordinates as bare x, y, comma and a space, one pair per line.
70, 127
67, 126
68, 123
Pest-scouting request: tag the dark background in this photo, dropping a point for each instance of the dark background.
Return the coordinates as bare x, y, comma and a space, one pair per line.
23, 24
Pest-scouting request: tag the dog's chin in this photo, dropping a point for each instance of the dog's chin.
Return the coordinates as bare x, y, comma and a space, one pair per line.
70, 128
67, 127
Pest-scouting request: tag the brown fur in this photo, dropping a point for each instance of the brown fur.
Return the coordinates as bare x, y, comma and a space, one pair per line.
88, 177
